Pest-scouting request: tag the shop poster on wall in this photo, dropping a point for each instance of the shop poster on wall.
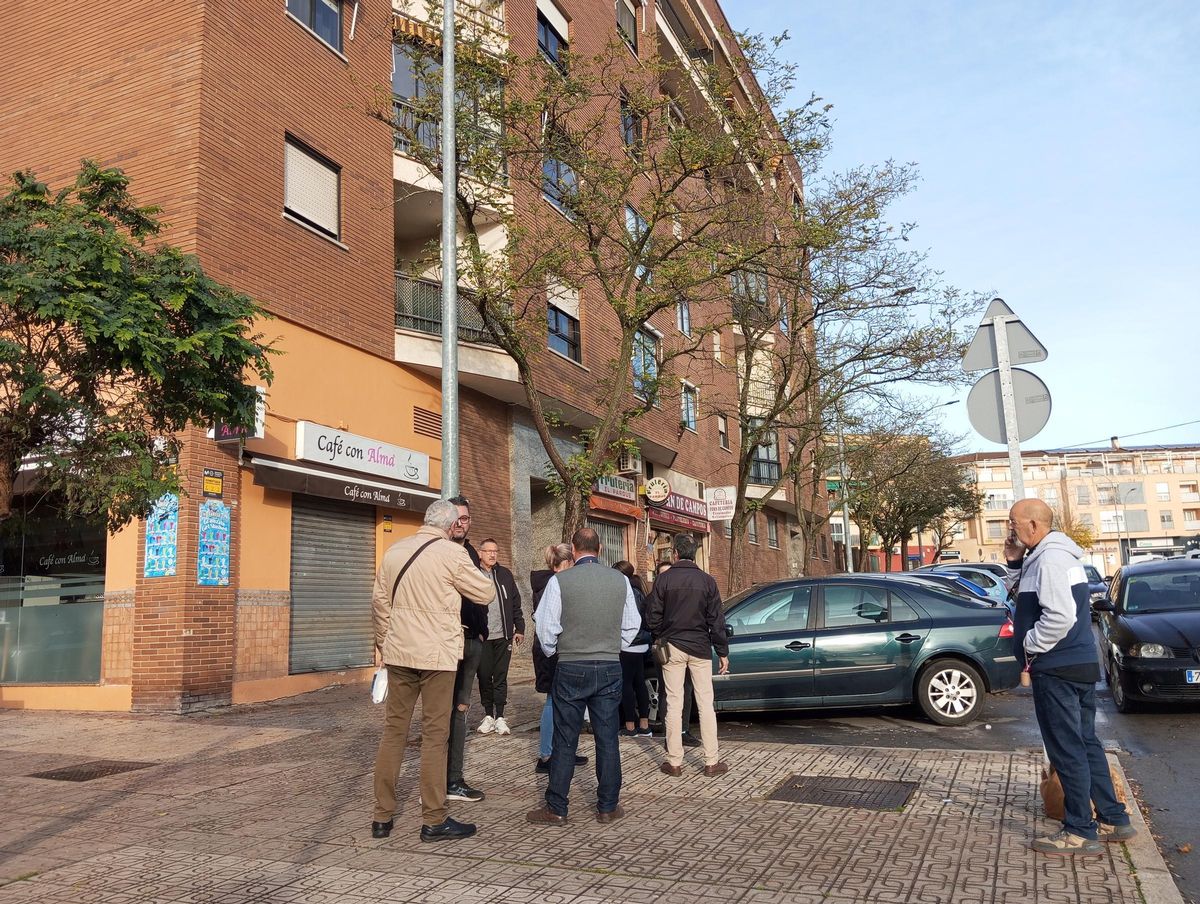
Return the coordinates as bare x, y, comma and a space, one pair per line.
162, 535
212, 560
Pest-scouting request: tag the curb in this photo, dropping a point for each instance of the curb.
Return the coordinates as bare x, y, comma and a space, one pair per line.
1154, 879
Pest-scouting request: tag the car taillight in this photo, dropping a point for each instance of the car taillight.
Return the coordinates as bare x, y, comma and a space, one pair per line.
1006, 629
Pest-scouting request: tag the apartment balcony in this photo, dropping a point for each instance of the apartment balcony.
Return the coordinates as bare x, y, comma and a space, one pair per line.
476, 21
1189, 497
481, 364
1191, 525
417, 127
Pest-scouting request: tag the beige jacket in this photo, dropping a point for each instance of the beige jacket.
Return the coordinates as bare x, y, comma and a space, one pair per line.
422, 627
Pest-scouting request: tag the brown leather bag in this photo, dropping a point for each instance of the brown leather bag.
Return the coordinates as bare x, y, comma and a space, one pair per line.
1052, 792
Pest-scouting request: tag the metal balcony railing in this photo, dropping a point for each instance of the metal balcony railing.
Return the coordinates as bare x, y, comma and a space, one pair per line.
419, 307
426, 129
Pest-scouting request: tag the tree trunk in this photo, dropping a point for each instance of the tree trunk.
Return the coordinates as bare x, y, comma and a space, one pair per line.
6, 488
575, 514
864, 542
904, 553
737, 549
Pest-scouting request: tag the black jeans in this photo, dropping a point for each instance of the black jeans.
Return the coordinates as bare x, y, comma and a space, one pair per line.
1066, 715
635, 698
596, 685
463, 682
493, 675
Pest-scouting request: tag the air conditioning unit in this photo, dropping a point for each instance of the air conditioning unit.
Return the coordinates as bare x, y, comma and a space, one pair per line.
629, 463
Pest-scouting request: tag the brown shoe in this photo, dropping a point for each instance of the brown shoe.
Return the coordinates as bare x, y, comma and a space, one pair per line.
545, 816
612, 815
718, 769
668, 769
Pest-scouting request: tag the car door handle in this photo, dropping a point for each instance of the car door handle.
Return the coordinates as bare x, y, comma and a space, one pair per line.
908, 638
797, 646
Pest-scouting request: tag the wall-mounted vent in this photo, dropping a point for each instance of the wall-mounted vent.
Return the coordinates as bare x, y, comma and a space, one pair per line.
427, 423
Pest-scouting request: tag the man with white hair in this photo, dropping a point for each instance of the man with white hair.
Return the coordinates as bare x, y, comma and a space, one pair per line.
418, 636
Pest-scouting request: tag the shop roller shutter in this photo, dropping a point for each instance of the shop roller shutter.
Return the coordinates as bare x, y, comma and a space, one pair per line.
333, 570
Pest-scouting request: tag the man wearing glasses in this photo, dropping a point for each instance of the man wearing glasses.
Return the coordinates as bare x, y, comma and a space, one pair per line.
475, 632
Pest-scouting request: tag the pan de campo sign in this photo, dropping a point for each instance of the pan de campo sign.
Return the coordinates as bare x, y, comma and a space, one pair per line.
315, 442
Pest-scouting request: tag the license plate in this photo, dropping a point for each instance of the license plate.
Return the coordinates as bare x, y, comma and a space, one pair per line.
1193, 676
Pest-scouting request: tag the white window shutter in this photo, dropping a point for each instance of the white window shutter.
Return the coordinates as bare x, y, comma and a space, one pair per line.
310, 188
564, 298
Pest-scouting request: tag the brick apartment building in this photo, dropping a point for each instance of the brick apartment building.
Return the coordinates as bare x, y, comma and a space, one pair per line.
246, 123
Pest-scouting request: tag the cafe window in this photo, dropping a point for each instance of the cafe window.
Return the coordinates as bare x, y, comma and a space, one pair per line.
51, 594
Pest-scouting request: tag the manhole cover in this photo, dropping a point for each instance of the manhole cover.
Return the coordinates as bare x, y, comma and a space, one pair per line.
864, 793
85, 772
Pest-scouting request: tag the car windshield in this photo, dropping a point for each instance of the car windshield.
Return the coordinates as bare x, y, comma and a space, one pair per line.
1162, 592
738, 597
1093, 575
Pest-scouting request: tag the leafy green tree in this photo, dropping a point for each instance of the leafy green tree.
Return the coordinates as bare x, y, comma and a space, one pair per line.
109, 347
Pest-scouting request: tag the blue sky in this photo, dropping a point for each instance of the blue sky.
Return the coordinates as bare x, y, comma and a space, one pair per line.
1059, 150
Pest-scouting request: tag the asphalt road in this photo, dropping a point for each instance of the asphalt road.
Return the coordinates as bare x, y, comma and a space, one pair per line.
1158, 750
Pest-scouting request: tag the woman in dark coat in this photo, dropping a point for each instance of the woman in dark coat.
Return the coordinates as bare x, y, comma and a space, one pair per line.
558, 558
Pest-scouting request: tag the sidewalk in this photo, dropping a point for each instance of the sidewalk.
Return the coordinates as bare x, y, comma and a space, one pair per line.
273, 804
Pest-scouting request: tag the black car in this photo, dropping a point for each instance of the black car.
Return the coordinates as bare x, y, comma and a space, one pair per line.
1150, 630
865, 640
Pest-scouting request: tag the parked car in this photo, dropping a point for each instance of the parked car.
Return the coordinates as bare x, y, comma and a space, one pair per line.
1097, 586
865, 640
999, 569
956, 582
1150, 631
991, 583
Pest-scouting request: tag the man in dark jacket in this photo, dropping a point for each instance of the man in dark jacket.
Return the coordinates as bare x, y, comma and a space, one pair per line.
684, 610
506, 629
1053, 638
475, 632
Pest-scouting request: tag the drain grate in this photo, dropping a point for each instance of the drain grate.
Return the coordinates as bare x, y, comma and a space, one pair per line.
86, 772
863, 793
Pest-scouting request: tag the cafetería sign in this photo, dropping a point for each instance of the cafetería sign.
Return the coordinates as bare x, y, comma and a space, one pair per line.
315, 442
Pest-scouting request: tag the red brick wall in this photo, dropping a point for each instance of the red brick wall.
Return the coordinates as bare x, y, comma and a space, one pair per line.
485, 469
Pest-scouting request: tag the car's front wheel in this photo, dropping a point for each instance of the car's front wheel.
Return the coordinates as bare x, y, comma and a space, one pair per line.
1120, 699
950, 692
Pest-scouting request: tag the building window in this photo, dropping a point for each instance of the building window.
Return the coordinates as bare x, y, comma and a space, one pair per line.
1166, 520
1163, 490
749, 287
764, 463
627, 24
559, 183
563, 331
322, 17
773, 534
716, 345
727, 529
824, 547
311, 188
637, 227
689, 406
645, 365
752, 528
552, 36
612, 540
631, 124
995, 530
1106, 495
1082, 495
723, 431
683, 316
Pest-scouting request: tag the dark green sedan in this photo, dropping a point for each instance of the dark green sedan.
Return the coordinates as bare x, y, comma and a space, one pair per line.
859, 640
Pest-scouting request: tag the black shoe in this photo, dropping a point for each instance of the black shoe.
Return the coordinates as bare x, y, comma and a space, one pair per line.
447, 831
627, 733
463, 791
543, 766
381, 829
690, 740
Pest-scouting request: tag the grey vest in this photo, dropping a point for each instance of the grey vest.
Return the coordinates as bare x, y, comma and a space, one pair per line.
593, 601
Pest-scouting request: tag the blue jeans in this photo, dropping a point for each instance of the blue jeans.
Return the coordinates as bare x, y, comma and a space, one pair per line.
596, 685
546, 733
1066, 715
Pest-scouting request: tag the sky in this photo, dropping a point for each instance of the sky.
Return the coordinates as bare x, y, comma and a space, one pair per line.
1059, 149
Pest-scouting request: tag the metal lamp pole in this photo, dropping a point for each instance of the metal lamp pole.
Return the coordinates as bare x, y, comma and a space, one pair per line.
449, 155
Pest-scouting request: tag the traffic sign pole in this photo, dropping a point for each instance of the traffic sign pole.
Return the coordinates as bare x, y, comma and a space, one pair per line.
1000, 337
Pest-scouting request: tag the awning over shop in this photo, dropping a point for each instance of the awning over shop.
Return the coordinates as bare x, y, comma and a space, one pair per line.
276, 474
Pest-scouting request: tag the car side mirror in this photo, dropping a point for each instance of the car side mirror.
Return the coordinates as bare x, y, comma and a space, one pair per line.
728, 630
1103, 606
1108, 579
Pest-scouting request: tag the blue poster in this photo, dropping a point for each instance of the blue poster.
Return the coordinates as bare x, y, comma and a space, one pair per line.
162, 536
212, 557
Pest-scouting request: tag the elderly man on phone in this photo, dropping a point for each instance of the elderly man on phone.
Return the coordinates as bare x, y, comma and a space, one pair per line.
1053, 638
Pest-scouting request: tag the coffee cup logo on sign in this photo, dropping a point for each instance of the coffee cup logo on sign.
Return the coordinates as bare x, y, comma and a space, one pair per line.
657, 490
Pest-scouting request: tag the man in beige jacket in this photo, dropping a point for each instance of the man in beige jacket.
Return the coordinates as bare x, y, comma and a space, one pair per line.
419, 637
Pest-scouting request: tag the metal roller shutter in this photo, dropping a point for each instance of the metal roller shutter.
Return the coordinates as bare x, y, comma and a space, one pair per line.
612, 540
333, 570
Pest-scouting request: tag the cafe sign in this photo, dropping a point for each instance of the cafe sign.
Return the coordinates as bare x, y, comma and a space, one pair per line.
617, 487
340, 449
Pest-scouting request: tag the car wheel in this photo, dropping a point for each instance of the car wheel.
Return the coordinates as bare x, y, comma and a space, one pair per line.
950, 692
1120, 700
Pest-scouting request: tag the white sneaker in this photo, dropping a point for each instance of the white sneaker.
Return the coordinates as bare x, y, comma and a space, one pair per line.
502, 726
487, 726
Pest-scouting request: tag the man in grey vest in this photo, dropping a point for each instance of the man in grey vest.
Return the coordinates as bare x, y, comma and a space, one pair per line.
584, 615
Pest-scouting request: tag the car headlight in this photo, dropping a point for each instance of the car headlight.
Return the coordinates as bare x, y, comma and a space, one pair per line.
1099, 595
1150, 651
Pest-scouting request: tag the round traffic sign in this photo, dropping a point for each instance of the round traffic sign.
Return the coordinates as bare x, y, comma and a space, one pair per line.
985, 405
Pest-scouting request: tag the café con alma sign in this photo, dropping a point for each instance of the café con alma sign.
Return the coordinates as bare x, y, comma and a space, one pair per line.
317, 443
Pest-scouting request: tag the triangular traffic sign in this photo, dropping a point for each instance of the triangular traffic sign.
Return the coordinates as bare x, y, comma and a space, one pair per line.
1023, 346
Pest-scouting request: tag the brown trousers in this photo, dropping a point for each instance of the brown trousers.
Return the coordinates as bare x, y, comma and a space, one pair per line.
436, 690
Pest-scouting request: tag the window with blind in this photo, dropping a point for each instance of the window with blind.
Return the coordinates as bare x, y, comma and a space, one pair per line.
627, 24
612, 540
311, 188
